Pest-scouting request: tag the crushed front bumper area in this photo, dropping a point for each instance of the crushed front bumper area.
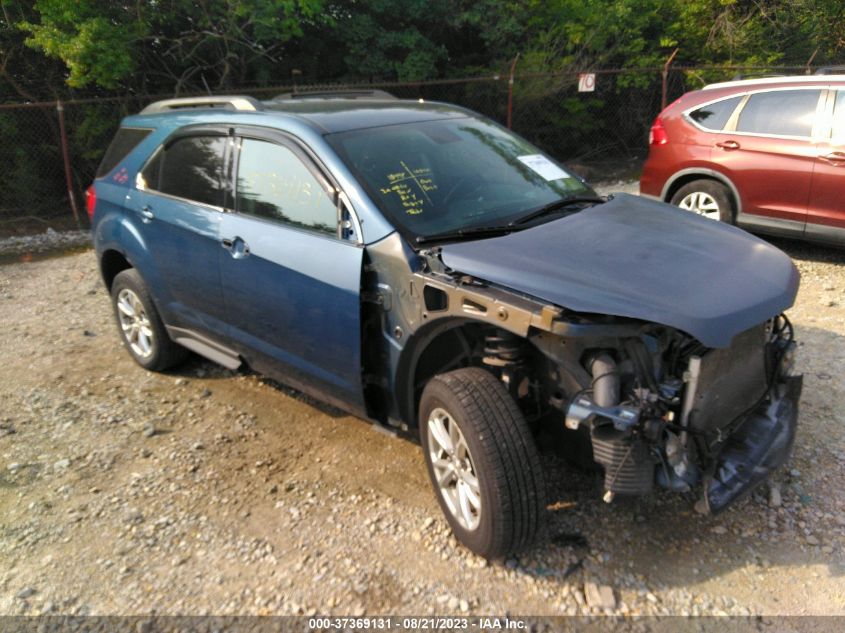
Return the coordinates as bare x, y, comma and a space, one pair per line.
759, 446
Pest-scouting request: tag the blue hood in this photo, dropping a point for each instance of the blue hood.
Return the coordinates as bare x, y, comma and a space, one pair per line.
632, 257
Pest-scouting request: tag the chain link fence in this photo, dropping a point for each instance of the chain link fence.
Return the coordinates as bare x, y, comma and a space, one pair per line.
601, 134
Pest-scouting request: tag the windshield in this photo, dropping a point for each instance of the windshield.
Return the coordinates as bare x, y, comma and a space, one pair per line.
434, 177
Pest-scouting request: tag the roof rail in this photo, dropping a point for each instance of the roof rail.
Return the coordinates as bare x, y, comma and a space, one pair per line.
335, 94
226, 102
797, 79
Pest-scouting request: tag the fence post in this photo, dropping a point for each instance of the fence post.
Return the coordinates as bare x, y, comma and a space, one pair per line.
668, 63
510, 91
66, 158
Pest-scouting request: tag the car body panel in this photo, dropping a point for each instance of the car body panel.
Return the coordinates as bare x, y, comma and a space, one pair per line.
827, 202
635, 258
294, 300
183, 238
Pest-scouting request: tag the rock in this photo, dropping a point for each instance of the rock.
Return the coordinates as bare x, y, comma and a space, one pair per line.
197, 446
25, 593
205, 393
775, 500
599, 596
149, 430
719, 529
812, 540
427, 524
464, 606
13, 467
180, 382
62, 464
453, 603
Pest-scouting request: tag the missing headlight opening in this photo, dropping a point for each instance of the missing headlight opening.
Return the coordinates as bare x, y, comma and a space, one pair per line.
661, 408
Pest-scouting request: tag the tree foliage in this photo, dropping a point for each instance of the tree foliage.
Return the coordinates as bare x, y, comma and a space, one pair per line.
175, 46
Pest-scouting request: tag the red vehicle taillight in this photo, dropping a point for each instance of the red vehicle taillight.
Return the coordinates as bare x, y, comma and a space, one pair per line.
91, 201
657, 134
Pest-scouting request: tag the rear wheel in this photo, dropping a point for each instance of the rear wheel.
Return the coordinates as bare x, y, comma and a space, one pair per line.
707, 198
482, 462
141, 328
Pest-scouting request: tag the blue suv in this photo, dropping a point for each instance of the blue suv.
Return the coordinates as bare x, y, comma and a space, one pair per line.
422, 267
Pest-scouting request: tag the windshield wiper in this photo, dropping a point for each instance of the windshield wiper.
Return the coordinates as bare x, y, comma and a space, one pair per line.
503, 229
470, 233
556, 206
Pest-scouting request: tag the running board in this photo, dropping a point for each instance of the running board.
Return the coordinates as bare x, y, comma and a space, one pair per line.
205, 347
758, 447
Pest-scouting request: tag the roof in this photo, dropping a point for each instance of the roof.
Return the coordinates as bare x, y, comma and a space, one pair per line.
821, 80
325, 115
341, 115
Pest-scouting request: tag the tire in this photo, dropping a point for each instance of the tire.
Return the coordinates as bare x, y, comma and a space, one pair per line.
140, 326
500, 456
707, 198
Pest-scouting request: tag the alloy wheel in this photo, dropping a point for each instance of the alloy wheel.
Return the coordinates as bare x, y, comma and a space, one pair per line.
701, 203
454, 469
135, 323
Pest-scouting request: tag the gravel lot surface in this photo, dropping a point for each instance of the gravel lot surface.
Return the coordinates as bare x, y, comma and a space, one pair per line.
206, 491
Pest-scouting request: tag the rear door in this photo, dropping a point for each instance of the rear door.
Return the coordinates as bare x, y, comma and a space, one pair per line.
826, 213
768, 152
179, 206
291, 284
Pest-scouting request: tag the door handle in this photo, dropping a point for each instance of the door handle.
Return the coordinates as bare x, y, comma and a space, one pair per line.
728, 145
147, 214
236, 247
837, 159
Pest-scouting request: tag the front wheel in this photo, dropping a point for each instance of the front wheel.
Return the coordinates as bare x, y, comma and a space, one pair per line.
707, 198
482, 462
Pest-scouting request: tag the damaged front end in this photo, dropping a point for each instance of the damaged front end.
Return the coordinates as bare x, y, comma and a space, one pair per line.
662, 408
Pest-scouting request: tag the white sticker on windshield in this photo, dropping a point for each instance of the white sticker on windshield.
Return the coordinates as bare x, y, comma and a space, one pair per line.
543, 166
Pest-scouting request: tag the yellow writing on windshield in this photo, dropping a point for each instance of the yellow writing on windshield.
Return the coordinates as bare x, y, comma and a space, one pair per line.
411, 186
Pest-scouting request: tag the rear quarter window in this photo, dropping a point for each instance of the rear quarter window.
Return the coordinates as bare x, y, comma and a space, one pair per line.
126, 139
715, 115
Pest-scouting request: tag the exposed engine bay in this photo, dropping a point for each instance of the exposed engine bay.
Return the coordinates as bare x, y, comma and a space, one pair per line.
661, 408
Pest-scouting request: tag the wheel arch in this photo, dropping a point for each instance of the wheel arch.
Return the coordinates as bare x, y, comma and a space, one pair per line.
417, 361
681, 178
112, 262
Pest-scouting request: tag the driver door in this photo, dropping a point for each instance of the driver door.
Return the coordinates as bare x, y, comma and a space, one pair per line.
291, 285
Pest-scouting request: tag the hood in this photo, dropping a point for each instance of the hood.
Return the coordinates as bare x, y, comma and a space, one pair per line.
632, 257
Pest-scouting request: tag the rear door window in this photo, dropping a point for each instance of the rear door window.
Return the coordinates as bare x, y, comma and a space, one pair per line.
780, 113
126, 139
715, 115
192, 168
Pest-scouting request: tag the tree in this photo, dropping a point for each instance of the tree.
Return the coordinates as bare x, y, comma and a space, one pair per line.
178, 45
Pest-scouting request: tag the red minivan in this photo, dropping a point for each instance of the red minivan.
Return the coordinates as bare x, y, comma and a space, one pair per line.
765, 154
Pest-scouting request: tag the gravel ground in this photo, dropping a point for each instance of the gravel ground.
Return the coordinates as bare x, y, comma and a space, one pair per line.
207, 491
